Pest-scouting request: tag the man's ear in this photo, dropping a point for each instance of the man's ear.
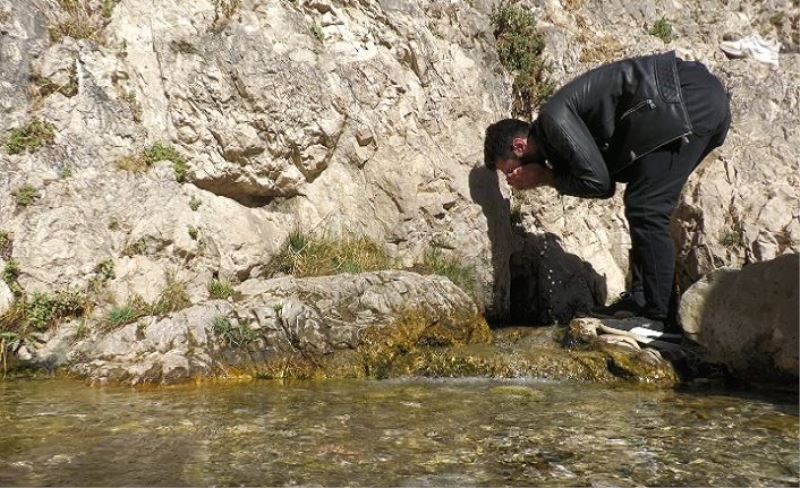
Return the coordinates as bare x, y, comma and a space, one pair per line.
520, 146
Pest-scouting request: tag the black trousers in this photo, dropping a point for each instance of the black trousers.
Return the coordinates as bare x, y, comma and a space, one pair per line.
654, 185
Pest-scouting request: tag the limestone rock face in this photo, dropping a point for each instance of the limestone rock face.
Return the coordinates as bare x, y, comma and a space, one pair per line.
358, 118
748, 318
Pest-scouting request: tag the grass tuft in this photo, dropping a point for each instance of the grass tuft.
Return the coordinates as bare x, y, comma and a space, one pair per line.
26, 195
81, 19
451, 267
172, 298
220, 289
233, 335
306, 256
194, 203
31, 137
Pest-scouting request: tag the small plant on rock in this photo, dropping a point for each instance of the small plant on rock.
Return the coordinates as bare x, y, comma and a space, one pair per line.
172, 298
233, 335
31, 137
81, 19
162, 152
26, 195
119, 316
194, 203
306, 256
193, 232
663, 30
106, 269
316, 31
220, 289
6, 245
520, 47
138, 246
11, 272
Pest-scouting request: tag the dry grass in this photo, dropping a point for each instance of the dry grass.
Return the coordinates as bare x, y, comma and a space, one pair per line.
599, 50
133, 164
79, 20
573, 5
306, 256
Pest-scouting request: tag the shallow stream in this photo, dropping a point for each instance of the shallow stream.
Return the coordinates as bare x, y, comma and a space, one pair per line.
393, 433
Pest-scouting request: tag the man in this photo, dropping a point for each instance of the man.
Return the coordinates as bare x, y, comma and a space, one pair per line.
645, 121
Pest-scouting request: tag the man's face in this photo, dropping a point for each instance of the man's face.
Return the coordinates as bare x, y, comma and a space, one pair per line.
507, 166
520, 148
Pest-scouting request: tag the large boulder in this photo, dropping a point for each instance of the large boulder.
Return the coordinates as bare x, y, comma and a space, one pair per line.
748, 318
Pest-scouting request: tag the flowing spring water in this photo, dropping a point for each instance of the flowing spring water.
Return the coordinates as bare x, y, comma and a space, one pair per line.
393, 433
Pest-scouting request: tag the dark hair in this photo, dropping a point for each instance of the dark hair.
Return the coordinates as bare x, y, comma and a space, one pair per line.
499, 136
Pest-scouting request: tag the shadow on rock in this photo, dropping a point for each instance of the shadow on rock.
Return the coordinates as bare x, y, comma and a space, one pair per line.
535, 280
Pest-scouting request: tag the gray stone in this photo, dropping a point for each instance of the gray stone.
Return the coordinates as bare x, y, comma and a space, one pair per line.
748, 319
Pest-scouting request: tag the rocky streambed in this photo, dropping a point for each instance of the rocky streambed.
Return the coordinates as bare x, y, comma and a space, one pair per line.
420, 432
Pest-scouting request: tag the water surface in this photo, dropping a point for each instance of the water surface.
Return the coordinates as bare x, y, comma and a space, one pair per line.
393, 433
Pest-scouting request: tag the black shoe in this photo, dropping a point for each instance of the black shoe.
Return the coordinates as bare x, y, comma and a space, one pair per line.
625, 306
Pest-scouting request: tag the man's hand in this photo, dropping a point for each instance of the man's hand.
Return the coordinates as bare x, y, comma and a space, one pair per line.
530, 176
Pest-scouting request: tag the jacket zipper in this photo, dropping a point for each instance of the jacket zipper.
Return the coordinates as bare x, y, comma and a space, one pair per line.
637, 107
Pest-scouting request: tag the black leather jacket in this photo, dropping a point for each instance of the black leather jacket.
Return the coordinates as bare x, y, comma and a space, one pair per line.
607, 118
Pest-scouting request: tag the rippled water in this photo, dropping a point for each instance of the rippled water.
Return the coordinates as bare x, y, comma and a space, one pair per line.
395, 433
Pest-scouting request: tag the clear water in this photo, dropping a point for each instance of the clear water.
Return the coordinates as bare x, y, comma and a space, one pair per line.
393, 433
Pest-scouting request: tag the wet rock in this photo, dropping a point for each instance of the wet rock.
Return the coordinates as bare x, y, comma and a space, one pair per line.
747, 319
336, 326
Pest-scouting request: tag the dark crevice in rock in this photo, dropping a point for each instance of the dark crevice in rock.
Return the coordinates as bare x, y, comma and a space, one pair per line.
227, 190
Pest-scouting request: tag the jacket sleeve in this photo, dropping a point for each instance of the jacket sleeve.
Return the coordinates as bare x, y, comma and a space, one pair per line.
579, 167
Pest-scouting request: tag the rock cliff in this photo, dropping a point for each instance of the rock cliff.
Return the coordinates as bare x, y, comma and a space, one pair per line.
158, 141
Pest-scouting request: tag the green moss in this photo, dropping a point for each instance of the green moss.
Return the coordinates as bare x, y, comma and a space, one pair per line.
663, 30
194, 203
193, 232
31, 137
220, 289
520, 47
